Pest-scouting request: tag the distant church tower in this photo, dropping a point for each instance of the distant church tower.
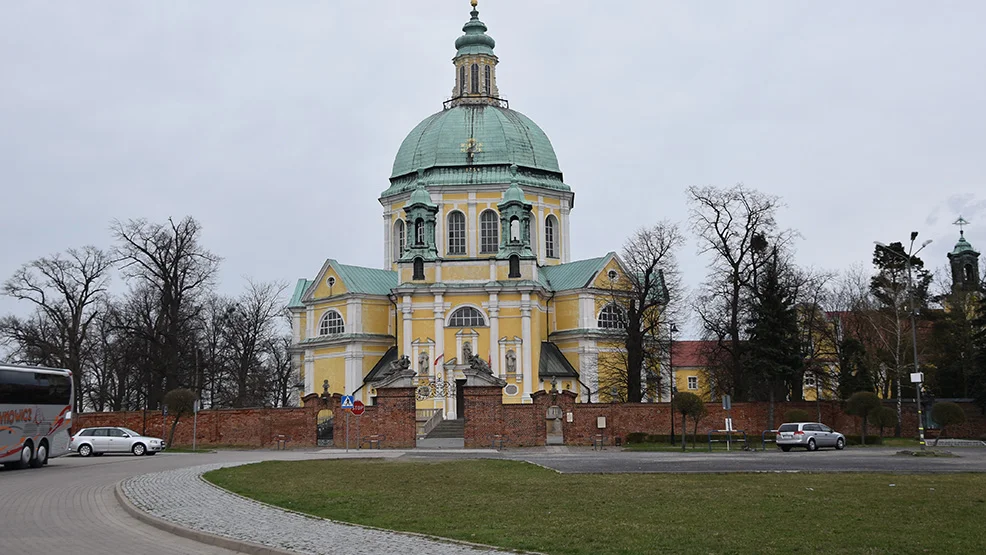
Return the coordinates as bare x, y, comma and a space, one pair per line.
965, 263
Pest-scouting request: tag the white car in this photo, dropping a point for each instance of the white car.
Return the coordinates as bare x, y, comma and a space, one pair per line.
810, 435
113, 439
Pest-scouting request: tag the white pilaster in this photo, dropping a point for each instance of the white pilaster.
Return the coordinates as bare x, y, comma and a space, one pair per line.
589, 369
494, 308
309, 322
309, 361
539, 224
525, 316
566, 237
407, 312
472, 227
388, 233
587, 311
354, 316
354, 368
296, 326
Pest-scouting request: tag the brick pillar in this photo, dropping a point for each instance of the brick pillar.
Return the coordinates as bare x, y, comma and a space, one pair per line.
483, 415
395, 414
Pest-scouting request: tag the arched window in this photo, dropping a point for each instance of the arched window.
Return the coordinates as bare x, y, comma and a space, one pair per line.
514, 267
466, 317
419, 268
967, 273
475, 79
398, 239
515, 229
462, 80
419, 232
331, 323
489, 240
612, 317
456, 233
487, 89
550, 229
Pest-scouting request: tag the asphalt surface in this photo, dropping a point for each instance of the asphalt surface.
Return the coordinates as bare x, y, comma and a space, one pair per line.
70, 505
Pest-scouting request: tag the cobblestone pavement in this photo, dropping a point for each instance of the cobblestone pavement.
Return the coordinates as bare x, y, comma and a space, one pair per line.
181, 496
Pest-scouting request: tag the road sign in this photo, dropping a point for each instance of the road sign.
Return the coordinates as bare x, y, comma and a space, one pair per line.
358, 408
727, 402
347, 401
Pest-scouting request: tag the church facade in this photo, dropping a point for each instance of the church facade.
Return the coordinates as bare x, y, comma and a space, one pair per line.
476, 271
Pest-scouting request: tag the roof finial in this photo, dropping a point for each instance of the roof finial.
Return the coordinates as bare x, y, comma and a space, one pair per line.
961, 222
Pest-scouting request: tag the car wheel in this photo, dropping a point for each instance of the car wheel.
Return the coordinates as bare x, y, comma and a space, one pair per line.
40, 457
139, 449
811, 445
85, 450
785, 448
840, 444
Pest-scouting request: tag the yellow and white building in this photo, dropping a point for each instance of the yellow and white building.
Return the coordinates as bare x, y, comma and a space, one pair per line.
476, 268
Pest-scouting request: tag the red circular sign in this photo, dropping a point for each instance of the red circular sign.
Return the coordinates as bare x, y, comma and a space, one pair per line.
358, 408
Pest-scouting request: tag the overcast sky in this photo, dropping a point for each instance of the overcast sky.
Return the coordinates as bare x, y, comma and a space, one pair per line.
275, 124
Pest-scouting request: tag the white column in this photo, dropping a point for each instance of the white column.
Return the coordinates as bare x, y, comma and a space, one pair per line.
439, 225
296, 326
310, 322
439, 312
407, 311
539, 224
587, 311
494, 331
354, 367
589, 369
525, 315
472, 227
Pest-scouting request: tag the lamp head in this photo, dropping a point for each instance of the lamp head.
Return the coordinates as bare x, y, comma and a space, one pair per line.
914, 235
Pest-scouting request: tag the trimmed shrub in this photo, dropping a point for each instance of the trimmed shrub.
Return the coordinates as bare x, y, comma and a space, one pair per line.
884, 417
947, 414
636, 437
861, 404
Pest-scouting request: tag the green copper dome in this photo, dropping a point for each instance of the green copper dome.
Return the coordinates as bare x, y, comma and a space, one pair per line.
962, 246
476, 143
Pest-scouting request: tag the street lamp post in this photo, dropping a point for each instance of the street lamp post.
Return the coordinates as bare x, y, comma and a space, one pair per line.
911, 253
672, 329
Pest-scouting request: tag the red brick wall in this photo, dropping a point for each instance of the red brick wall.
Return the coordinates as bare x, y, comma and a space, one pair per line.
239, 427
392, 417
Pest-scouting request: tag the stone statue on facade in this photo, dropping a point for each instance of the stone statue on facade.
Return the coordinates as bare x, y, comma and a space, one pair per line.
477, 363
423, 363
511, 362
399, 365
467, 351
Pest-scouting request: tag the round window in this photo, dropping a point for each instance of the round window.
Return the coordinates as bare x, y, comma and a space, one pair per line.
331, 281
612, 275
511, 389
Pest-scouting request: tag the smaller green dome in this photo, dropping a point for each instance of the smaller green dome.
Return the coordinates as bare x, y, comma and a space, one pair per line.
962, 245
513, 193
420, 196
475, 40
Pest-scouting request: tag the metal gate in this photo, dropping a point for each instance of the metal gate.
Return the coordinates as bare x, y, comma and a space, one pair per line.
324, 430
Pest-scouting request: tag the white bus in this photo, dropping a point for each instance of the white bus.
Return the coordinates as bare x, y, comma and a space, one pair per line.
35, 415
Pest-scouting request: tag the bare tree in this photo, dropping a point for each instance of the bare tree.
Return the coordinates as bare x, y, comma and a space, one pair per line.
65, 291
251, 325
735, 225
167, 261
643, 296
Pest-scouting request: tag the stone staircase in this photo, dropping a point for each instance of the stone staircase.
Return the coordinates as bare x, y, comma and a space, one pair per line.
448, 434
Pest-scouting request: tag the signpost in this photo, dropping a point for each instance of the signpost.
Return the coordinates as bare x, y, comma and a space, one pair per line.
357, 410
727, 405
347, 405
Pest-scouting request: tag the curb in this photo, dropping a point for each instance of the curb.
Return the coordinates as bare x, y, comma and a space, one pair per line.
196, 535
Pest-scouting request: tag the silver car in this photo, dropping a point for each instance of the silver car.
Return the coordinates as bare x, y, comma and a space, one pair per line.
112, 439
810, 435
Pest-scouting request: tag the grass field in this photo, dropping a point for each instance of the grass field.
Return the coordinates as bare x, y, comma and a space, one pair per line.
520, 506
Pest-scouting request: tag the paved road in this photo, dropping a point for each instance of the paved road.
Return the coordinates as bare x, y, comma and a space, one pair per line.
70, 505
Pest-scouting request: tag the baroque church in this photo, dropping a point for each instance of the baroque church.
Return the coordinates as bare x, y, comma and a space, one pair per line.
476, 272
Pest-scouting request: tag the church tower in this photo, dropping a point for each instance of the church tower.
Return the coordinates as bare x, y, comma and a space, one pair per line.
964, 261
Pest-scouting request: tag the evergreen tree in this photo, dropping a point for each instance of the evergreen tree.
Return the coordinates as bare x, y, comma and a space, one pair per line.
774, 348
854, 370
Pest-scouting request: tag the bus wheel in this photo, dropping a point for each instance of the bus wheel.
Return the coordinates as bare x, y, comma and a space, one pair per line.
41, 457
26, 453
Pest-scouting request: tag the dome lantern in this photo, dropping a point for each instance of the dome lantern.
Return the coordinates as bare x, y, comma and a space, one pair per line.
475, 65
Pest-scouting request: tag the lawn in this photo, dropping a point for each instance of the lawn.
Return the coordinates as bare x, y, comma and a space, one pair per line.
520, 506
